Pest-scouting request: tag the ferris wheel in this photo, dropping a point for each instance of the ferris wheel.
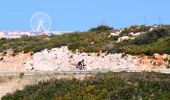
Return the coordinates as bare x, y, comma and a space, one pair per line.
40, 22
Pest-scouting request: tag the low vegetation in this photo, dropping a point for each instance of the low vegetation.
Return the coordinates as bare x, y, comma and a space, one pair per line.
135, 29
151, 42
108, 86
95, 40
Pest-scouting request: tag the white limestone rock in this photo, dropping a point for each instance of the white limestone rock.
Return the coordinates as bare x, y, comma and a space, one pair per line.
61, 59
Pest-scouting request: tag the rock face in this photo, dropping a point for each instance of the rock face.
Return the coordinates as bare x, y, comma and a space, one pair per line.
9, 62
155, 62
61, 59
124, 38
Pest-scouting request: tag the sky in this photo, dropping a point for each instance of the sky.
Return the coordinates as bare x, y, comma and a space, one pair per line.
81, 15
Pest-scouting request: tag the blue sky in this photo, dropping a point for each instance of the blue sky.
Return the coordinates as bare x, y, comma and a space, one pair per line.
80, 15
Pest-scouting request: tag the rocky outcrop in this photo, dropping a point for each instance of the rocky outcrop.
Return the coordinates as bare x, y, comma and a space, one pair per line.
9, 62
61, 59
156, 61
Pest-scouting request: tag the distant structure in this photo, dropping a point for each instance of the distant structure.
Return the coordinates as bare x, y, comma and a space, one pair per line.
19, 34
104, 22
159, 21
14, 34
40, 24
145, 21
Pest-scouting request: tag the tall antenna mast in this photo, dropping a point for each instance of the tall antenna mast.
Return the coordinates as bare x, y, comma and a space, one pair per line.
159, 21
145, 22
104, 22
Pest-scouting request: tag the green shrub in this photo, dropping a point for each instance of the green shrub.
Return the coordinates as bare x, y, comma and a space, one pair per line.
101, 28
135, 29
114, 38
150, 37
118, 86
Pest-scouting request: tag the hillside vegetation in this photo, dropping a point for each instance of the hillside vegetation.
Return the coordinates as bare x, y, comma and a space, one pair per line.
108, 86
156, 41
95, 40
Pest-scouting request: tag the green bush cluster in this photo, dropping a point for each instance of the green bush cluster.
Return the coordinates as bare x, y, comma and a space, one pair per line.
152, 36
156, 41
107, 86
135, 29
101, 28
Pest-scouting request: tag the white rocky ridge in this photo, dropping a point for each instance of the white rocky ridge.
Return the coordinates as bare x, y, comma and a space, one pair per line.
61, 59
114, 34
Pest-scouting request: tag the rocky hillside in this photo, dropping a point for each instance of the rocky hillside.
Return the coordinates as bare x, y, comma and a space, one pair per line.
102, 48
62, 59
